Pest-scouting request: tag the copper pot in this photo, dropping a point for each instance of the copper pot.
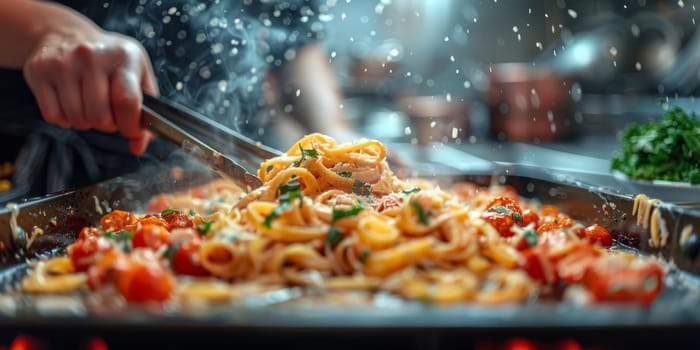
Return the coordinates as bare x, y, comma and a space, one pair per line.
529, 104
436, 118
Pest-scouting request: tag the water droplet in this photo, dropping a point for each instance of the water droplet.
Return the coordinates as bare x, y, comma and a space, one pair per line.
205, 73
394, 52
538, 45
407, 130
223, 84
343, 16
519, 38
298, 92
433, 124
448, 97
167, 19
613, 51
467, 84
515, 29
447, 38
681, 4
635, 30
172, 10
638, 66
179, 86
455, 133
217, 48
572, 13
452, 58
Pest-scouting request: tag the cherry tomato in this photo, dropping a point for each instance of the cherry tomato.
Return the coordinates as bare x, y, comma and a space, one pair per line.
143, 280
86, 252
506, 202
530, 217
101, 272
89, 232
559, 257
178, 220
150, 236
550, 210
574, 266
186, 259
118, 220
158, 204
625, 283
502, 222
550, 223
152, 220
596, 234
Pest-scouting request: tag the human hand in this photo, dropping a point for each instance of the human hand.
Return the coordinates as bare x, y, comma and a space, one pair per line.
92, 79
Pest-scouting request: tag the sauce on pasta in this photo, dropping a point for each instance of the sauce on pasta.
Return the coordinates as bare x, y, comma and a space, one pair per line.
334, 218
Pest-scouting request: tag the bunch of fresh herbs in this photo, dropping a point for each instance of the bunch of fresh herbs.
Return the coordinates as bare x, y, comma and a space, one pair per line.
667, 149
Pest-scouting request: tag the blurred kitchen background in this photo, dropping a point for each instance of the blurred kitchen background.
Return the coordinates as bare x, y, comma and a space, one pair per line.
513, 80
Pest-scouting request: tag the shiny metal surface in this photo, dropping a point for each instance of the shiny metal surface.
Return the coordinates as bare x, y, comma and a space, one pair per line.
196, 148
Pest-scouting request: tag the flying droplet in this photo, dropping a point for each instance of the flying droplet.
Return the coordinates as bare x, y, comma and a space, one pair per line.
638, 66
515, 29
538, 45
613, 51
452, 58
298, 93
681, 4
572, 13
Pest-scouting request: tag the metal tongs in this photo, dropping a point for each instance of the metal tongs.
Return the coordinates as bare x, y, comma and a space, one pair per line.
187, 129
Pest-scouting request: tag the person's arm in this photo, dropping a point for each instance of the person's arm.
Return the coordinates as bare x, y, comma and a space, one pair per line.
318, 104
82, 77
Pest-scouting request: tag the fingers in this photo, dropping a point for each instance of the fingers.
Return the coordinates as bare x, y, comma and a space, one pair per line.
47, 100
96, 101
148, 80
125, 97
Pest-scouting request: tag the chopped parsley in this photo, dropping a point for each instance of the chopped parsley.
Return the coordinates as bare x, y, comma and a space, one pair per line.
361, 188
169, 211
411, 190
341, 213
344, 174
422, 216
334, 236
205, 227
364, 255
311, 153
667, 149
517, 217
530, 237
122, 239
288, 191
275, 213
171, 251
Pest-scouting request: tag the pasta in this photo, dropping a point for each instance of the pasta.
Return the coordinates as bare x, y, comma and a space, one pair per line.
334, 218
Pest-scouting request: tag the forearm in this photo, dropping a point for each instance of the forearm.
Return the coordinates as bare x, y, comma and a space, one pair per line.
23, 23
317, 104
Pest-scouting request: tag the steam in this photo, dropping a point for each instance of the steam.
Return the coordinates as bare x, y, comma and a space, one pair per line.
213, 56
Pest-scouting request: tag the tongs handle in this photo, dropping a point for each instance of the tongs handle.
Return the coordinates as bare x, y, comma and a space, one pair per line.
196, 148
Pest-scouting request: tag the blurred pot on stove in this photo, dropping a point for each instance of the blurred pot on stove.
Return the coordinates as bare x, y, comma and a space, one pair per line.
436, 118
529, 104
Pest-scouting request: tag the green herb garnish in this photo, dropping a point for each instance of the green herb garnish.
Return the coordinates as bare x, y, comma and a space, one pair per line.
344, 174
205, 227
341, 213
517, 217
364, 255
666, 149
334, 236
312, 153
169, 211
361, 188
122, 239
530, 237
422, 216
171, 251
275, 213
411, 190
